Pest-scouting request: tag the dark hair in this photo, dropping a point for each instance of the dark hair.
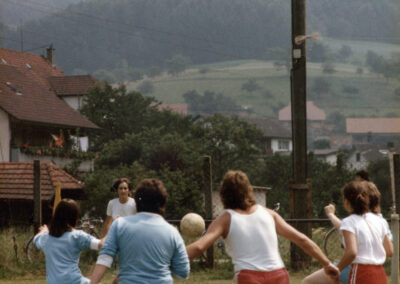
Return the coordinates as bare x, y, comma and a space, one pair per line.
114, 187
236, 191
363, 174
65, 217
151, 196
356, 194
374, 198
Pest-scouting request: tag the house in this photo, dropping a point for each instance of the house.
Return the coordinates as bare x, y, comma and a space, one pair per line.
16, 190
35, 121
362, 155
278, 138
327, 155
382, 131
315, 118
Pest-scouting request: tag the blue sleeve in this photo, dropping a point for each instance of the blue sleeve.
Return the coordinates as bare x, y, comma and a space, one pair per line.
40, 240
110, 246
83, 239
180, 262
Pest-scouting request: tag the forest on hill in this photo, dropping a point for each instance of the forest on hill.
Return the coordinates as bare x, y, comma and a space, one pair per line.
102, 34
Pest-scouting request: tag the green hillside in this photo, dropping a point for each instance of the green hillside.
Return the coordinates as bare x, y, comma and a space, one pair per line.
374, 95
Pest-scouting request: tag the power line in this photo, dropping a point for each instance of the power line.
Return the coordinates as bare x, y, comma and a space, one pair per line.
132, 34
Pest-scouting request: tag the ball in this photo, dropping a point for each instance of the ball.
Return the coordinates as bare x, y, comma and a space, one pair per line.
192, 225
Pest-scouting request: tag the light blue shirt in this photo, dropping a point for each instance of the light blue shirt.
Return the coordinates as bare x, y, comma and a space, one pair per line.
150, 249
62, 256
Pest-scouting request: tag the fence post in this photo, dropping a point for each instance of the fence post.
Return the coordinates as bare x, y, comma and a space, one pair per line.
394, 160
37, 201
208, 187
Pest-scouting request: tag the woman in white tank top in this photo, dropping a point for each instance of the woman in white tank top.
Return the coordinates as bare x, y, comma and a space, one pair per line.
250, 233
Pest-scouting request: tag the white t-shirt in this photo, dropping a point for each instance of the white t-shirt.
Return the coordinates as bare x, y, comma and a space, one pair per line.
116, 208
252, 241
370, 232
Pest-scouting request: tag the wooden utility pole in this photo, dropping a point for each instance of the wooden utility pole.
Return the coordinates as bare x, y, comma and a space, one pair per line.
394, 159
208, 188
300, 192
37, 200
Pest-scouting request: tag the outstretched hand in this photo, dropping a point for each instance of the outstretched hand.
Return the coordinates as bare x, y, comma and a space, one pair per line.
332, 271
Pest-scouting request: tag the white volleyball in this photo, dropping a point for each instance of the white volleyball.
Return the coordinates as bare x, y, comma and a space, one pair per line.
192, 225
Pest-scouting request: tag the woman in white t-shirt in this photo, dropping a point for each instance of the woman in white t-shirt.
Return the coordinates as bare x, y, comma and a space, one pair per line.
122, 206
250, 233
366, 237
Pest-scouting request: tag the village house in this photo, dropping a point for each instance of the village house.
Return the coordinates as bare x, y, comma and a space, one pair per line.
38, 110
383, 131
278, 137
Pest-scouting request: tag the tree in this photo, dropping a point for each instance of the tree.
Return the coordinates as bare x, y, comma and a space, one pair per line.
250, 86
232, 143
321, 85
117, 112
146, 87
318, 52
209, 103
322, 144
328, 67
345, 51
177, 64
339, 122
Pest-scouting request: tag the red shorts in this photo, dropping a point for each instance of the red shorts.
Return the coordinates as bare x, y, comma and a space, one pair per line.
279, 276
367, 274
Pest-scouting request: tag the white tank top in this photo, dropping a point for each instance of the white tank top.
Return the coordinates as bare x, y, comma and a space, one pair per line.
252, 242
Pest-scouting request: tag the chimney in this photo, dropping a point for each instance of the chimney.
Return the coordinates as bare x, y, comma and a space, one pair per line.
50, 54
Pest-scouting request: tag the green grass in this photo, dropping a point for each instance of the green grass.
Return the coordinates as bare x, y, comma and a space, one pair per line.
375, 98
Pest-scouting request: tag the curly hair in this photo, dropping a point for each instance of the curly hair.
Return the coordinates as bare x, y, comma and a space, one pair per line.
374, 198
236, 191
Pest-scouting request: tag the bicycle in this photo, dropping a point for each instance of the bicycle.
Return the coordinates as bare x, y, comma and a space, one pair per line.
333, 244
89, 225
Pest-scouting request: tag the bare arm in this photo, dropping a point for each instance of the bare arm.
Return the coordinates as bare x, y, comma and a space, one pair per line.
388, 245
330, 213
306, 244
98, 273
107, 224
42, 230
219, 227
350, 251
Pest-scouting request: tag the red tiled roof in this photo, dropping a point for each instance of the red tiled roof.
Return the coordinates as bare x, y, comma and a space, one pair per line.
40, 67
71, 85
177, 108
313, 112
373, 125
16, 180
23, 98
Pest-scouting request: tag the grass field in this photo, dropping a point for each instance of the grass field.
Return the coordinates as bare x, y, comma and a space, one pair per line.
375, 95
195, 278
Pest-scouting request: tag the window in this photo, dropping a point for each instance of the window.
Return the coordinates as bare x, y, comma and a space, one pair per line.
283, 144
358, 157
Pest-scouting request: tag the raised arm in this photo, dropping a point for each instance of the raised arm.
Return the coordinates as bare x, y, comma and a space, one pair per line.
219, 227
306, 244
330, 213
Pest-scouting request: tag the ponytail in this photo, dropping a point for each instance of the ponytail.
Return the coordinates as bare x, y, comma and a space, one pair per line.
357, 195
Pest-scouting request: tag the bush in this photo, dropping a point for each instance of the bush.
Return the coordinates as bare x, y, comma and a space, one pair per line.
350, 90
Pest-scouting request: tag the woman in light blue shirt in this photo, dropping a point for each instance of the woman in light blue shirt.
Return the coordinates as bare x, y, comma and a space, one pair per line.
150, 250
62, 245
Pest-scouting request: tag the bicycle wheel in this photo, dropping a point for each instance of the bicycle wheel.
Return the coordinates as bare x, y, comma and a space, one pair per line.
333, 246
31, 251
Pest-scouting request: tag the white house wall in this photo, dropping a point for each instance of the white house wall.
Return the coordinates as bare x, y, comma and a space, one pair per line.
5, 137
275, 145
